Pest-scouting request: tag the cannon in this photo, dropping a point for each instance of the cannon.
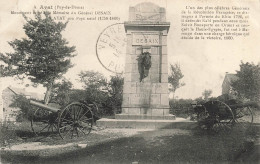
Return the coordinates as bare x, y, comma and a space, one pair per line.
219, 115
74, 120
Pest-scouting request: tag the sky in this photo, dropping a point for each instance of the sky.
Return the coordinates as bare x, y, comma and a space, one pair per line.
203, 62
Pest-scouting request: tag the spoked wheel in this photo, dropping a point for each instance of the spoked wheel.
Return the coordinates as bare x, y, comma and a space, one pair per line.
44, 122
221, 116
244, 117
75, 120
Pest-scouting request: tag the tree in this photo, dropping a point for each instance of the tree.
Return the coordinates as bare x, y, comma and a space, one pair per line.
116, 92
26, 109
95, 85
43, 56
107, 95
61, 92
174, 77
248, 83
206, 94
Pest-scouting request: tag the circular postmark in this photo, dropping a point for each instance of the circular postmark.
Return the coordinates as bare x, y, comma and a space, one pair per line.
111, 48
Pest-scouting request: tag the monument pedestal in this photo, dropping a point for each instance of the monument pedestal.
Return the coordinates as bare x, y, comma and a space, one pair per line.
145, 91
146, 97
145, 117
145, 124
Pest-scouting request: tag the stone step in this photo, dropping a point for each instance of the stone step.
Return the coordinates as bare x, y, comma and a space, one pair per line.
144, 124
144, 117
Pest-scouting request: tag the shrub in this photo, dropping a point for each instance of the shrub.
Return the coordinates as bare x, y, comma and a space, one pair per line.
181, 107
23, 103
106, 94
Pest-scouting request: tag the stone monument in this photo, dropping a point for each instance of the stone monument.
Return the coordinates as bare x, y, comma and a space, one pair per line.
145, 92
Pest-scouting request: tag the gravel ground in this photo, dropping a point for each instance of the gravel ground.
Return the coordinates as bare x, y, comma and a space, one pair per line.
101, 134
104, 145
97, 136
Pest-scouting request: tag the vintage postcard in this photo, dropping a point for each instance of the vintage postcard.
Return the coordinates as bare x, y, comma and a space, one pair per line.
117, 71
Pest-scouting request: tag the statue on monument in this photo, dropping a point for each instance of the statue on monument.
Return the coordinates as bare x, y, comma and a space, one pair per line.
144, 64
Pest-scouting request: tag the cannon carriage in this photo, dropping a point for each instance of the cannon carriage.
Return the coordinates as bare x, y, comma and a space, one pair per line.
74, 120
219, 115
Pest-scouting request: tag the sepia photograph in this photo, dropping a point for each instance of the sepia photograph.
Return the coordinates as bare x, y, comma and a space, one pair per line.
129, 82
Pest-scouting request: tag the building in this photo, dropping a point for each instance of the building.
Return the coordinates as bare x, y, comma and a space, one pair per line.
9, 113
226, 85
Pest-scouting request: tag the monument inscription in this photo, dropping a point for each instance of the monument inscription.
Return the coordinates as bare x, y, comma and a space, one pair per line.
147, 17
147, 12
141, 39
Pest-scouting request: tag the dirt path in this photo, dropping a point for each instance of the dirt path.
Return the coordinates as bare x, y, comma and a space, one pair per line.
110, 133
143, 146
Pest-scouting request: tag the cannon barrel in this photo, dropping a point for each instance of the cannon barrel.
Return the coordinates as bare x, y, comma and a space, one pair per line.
49, 108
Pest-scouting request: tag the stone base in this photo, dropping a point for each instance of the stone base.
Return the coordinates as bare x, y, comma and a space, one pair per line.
144, 124
151, 111
145, 117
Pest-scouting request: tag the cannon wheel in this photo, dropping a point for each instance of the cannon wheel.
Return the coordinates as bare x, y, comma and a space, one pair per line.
44, 122
220, 115
244, 117
75, 120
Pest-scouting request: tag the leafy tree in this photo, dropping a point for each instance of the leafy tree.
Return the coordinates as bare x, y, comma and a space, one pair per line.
27, 109
116, 92
199, 100
248, 83
108, 95
61, 91
206, 94
78, 95
95, 85
43, 56
174, 77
